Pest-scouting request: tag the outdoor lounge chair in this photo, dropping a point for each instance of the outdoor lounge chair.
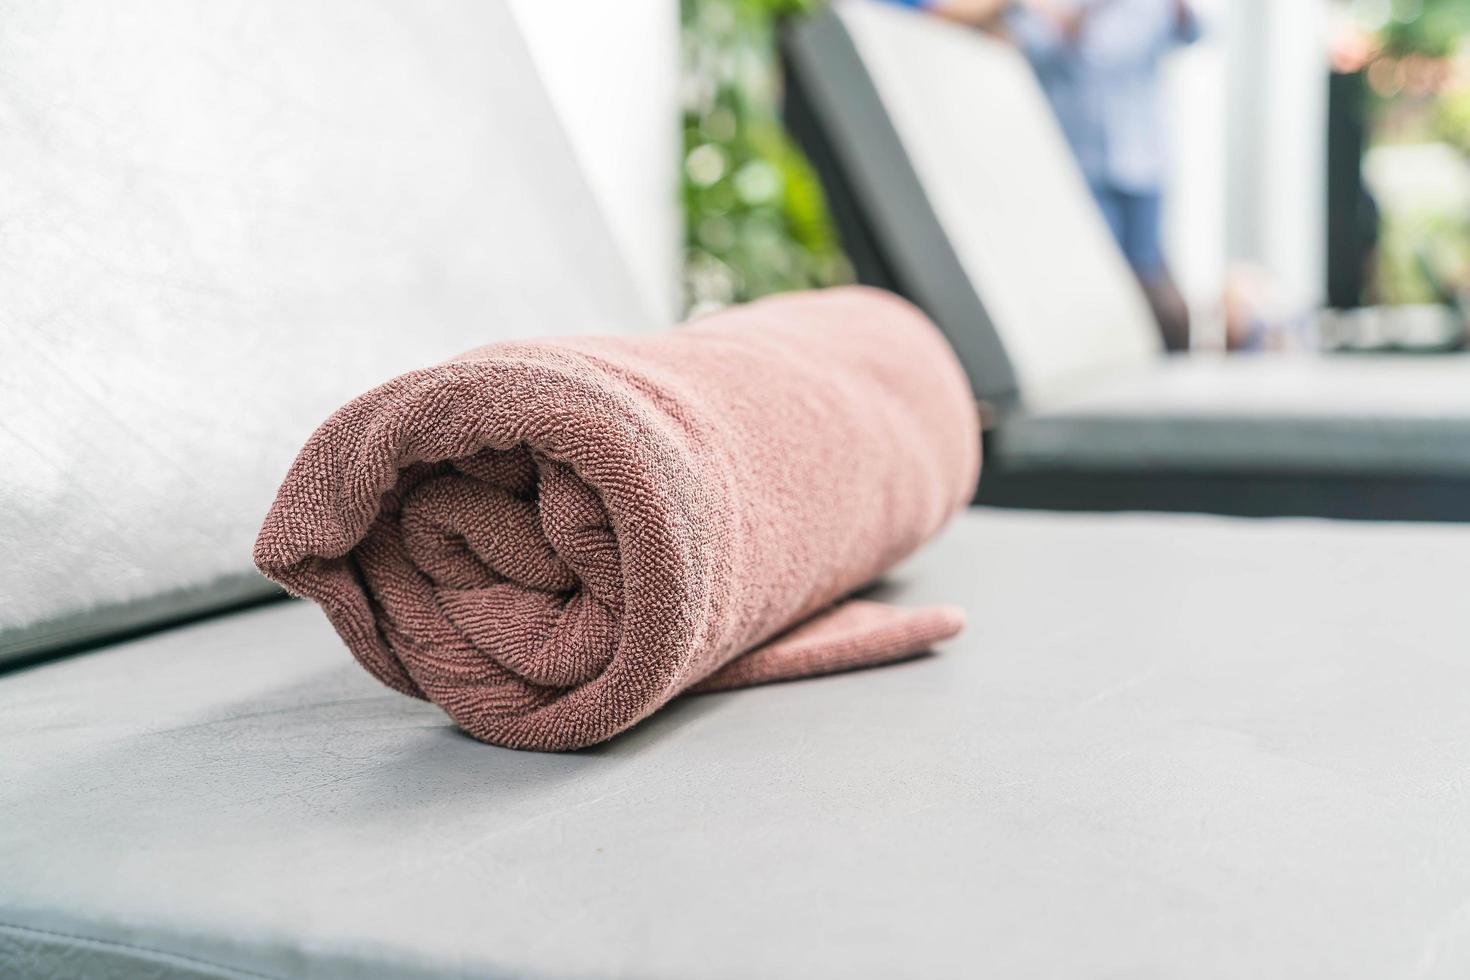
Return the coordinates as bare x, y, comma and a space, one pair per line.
953, 186
1166, 745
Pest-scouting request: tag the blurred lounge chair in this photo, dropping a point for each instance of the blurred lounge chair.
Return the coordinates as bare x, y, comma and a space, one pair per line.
953, 186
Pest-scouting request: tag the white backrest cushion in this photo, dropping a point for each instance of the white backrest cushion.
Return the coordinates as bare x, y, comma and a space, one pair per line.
221, 221
1012, 201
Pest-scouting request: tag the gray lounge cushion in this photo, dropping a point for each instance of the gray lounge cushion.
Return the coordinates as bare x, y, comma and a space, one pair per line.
1168, 746
1350, 415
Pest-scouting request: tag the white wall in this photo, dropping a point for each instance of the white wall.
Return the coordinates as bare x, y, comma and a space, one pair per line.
612, 69
1248, 121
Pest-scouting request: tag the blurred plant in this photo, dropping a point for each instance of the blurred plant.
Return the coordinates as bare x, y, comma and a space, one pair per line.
1422, 27
1423, 257
756, 221
1417, 65
1452, 118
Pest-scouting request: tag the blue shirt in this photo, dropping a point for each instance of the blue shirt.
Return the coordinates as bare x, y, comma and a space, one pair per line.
1104, 83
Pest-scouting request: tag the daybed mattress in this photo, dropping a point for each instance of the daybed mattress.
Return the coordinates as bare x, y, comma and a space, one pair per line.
1166, 746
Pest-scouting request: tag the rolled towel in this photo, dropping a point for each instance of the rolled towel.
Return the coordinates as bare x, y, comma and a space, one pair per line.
551, 539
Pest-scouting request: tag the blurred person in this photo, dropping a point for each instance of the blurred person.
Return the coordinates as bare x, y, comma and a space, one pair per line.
1099, 63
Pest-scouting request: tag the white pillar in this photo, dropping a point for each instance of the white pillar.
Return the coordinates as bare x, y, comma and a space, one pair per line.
1278, 142
1195, 201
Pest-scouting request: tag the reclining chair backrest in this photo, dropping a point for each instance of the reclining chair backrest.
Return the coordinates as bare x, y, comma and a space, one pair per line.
219, 223
942, 142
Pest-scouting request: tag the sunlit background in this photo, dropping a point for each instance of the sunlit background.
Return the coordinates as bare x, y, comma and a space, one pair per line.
1318, 194
1407, 69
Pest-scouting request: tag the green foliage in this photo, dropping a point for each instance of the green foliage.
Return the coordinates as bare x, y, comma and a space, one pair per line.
1412, 247
1429, 27
1452, 118
756, 221
1424, 242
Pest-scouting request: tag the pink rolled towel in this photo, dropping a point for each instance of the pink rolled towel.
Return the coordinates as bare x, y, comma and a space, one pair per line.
550, 539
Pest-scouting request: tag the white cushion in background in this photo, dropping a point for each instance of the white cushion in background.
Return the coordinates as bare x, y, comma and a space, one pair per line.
1003, 185
1165, 747
220, 222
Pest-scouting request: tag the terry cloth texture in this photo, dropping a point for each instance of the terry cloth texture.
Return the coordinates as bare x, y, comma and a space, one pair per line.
551, 539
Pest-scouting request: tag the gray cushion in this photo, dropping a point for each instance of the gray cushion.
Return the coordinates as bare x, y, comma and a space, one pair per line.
1338, 414
1166, 747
